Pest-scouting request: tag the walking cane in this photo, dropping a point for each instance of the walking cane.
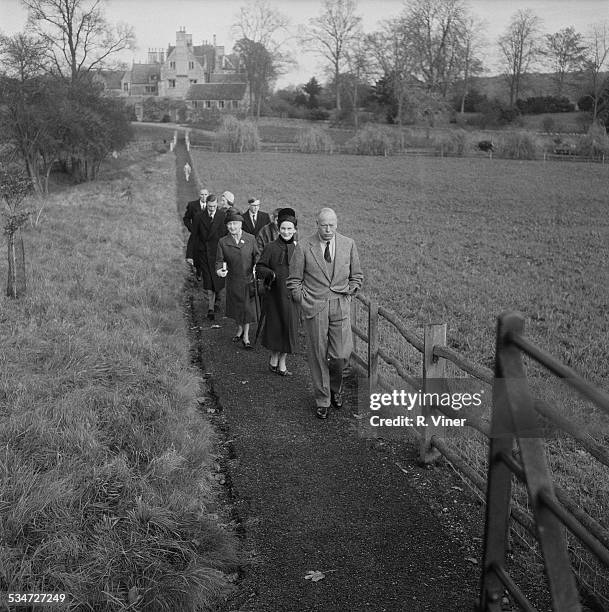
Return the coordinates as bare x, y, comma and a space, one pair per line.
257, 306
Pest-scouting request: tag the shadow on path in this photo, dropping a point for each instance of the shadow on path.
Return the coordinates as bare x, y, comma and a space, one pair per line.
313, 495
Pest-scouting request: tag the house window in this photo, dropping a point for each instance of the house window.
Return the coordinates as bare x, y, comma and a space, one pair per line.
193, 81
172, 65
220, 103
150, 88
207, 103
125, 86
235, 103
172, 83
191, 65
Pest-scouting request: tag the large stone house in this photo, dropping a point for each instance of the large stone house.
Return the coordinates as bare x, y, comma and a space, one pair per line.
204, 76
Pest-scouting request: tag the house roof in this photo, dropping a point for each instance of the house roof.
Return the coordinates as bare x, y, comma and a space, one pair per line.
201, 53
227, 77
112, 78
141, 73
231, 60
216, 91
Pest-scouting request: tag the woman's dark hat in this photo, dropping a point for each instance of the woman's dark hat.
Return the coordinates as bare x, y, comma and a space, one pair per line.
232, 214
286, 214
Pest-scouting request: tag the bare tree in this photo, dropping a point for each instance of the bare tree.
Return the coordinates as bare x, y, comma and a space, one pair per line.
259, 68
472, 40
260, 22
331, 33
357, 59
434, 33
260, 30
14, 186
597, 58
391, 57
565, 51
22, 56
519, 48
76, 35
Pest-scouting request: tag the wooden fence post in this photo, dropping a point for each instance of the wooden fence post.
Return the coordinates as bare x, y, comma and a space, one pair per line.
353, 316
373, 354
373, 345
433, 368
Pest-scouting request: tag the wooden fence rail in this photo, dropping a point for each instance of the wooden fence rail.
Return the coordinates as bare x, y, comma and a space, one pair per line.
551, 506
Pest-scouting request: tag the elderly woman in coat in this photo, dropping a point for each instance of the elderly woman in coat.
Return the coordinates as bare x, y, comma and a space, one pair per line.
280, 313
235, 260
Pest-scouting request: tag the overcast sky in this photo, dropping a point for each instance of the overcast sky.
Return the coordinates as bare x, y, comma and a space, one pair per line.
156, 21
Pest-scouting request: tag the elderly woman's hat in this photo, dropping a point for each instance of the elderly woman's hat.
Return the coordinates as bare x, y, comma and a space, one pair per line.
286, 214
232, 214
230, 197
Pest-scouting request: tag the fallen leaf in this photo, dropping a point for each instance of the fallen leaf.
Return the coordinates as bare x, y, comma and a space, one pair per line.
457, 488
472, 560
401, 468
132, 596
314, 575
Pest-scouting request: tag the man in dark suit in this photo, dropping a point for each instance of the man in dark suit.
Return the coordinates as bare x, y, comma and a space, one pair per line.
193, 208
253, 218
208, 228
324, 273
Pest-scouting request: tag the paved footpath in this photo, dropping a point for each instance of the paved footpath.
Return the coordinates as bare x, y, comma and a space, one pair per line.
314, 495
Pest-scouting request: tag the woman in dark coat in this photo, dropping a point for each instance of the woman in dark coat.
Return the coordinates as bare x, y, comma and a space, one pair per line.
208, 228
280, 313
235, 260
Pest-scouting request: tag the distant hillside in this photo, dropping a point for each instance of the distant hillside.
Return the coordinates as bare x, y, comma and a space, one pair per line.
533, 84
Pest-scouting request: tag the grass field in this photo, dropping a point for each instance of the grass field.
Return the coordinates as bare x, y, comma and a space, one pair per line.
107, 466
458, 240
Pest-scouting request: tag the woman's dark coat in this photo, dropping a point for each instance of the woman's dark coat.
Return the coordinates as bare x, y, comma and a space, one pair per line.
281, 317
240, 259
207, 233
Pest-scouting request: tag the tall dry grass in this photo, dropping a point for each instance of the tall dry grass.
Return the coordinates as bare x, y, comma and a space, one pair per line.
314, 140
106, 486
237, 136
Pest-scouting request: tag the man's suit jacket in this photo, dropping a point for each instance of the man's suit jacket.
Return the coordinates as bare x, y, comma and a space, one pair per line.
309, 281
262, 219
193, 208
207, 232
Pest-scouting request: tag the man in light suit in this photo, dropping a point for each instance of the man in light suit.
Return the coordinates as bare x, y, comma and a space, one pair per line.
324, 273
254, 219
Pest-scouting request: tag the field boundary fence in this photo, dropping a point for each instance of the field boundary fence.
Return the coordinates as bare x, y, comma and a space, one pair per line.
292, 147
520, 510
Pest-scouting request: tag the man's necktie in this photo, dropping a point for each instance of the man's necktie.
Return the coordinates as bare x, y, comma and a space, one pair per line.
253, 219
327, 256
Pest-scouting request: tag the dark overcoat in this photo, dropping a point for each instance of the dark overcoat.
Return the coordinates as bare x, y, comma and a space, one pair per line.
240, 260
193, 210
207, 233
280, 313
262, 219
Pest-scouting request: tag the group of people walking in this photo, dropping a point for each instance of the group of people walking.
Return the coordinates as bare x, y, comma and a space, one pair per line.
271, 278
